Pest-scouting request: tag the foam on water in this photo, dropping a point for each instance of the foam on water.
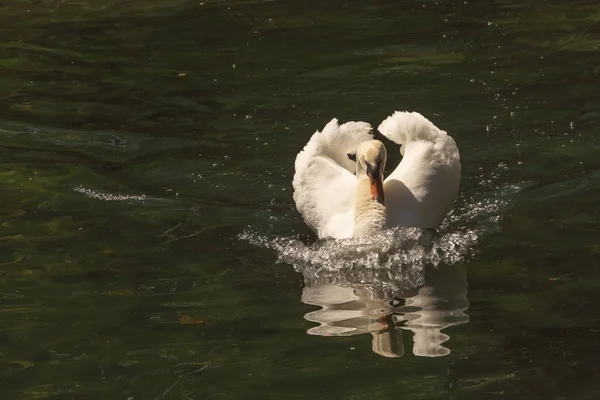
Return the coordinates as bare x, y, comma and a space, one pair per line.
390, 248
100, 195
396, 256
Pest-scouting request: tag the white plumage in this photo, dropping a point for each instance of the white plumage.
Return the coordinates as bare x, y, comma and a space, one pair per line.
324, 182
419, 192
422, 189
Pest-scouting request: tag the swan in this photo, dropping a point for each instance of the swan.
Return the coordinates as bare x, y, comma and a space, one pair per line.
340, 198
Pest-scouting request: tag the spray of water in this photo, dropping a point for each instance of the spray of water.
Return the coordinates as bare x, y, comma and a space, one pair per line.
106, 196
393, 259
395, 255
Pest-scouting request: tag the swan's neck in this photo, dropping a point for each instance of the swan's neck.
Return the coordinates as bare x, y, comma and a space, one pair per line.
370, 216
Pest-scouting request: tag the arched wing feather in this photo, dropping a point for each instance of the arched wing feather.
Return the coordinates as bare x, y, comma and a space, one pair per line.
423, 188
324, 182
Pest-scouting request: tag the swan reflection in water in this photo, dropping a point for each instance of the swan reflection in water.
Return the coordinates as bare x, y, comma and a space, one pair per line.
434, 299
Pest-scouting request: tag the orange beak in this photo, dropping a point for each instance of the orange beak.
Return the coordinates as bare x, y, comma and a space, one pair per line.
375, 175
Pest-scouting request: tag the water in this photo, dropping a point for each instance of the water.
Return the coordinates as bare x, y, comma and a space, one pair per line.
150, 248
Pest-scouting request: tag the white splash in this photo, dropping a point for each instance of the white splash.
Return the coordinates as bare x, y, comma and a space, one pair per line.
390, 248
396, 256
96, 194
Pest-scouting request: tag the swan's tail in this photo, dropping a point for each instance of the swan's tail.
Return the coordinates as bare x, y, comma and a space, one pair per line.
335, 142
403, 127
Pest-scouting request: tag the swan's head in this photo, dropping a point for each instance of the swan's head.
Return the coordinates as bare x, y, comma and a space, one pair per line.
371, 156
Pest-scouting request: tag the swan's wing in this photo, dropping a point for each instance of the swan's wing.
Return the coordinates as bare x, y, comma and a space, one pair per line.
423, 188
403, 127
324, 181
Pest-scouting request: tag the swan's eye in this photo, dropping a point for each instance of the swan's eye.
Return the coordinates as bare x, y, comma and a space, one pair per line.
351, 156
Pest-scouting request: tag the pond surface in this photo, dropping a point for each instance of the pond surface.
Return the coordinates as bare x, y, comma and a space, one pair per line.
149, 243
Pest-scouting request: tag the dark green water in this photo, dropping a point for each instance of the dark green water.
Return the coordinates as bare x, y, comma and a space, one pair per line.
142, 143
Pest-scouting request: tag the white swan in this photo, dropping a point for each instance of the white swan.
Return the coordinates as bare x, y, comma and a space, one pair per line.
418, 193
